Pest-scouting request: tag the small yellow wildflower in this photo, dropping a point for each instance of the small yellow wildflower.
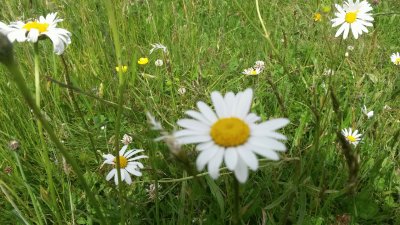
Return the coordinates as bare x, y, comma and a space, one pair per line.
123, 68
143, 61
317, 17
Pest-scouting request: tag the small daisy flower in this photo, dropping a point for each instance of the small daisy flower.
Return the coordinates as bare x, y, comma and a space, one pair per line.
395, 58
122, 68
126, 139
351, 137
317, 17
231, 134
158, 46
365, 111
159, 62
143, 61
128, 165
251, 71
353, 16
32, 31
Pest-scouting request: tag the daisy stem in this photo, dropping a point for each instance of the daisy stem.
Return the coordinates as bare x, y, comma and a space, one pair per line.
45, 153
236, 212
117, 47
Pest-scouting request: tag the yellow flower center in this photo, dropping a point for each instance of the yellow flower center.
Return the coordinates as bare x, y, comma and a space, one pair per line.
351, 17
230, 132
41, 27
143, 61
253, 72
123, 162
351, 138
397, 61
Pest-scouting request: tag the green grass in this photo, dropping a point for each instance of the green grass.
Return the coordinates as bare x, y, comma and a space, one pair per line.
209, 44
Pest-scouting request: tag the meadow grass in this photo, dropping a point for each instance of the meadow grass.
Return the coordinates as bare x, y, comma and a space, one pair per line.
319, 180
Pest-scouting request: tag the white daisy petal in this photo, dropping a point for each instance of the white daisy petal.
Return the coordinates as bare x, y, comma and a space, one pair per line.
219, 104
205, 156
215, 163
241, 171
231, 158
193, 125
207, 111
111, 174
248, 157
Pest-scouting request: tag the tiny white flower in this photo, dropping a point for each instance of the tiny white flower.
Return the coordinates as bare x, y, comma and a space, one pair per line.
386, 107
158, 46
159, 62
395, 58
352, 16
128, 165
350, 48
365, 111
260, 65
126, 139
231, 134
32, 31
346, 54
182, 90
351, 137
251, 71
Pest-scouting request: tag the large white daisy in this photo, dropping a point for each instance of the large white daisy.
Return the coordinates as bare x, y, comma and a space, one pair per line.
351, 137
128, 165
33, 30
231, 134
354, 16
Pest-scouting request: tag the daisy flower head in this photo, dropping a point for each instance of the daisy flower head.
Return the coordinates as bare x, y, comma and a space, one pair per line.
395, 58
143, 61
351, 137
251, 71
353, 16
231, 134
32, 31
128, 164
259, 64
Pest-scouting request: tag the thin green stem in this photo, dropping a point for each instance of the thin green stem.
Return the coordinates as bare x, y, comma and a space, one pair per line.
44, 153
236, 204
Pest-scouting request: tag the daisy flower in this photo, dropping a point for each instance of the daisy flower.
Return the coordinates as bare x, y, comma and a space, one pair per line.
143, 61
353, 16
395, 58
251, 71
32, 31
231, 134
351, 137
128, 165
